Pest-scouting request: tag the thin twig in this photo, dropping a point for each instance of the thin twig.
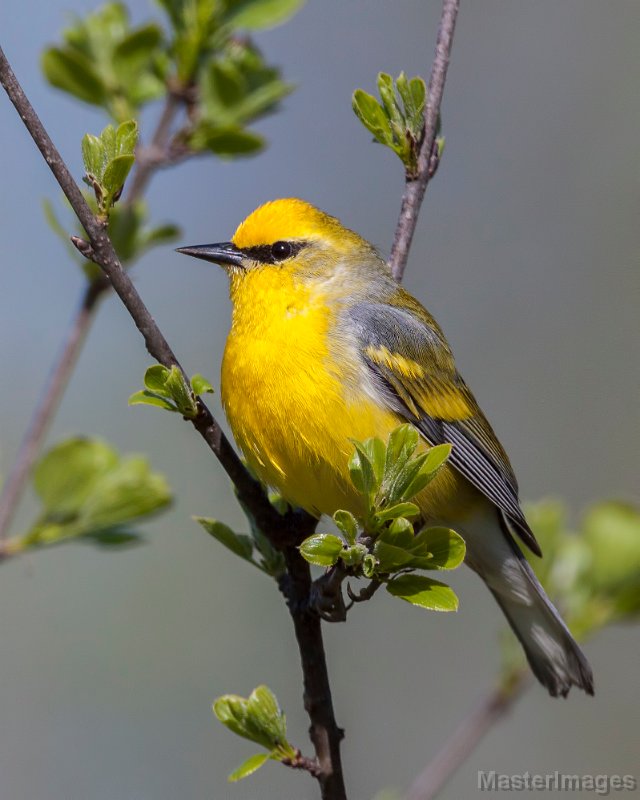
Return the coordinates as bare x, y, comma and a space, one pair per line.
415, 187
466, 737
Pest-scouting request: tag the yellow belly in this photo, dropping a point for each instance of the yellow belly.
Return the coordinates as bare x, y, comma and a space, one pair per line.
293, 415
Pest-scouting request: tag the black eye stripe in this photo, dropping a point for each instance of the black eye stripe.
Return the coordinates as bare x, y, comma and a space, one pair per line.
264, 253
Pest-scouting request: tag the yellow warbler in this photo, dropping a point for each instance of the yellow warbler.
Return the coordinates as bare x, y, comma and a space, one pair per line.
325, 347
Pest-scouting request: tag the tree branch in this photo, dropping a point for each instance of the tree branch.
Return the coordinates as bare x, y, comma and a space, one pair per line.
415, 187
466, 737
324, 731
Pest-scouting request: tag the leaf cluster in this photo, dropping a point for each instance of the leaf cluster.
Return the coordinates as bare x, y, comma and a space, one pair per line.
259, 719
382, 544
237, 88
106, 62
108, 159
220, 76
87, 491
167, 388
397, 121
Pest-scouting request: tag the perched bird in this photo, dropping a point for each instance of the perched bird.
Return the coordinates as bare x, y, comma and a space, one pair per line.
326, 347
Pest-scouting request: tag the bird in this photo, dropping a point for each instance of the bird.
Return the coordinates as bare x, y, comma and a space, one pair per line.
326, 347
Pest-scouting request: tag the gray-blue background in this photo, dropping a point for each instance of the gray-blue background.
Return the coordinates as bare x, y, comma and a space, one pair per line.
527, 252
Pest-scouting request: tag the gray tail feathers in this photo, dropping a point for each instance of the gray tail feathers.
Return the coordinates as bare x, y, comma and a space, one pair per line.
555, 658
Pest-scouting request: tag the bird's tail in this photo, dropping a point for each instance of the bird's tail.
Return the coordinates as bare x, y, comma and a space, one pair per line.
555, 658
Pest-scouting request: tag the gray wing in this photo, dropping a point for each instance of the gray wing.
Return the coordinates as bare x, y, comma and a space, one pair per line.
413, 368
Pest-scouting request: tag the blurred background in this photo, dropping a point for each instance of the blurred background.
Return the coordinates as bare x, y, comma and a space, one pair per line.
527, 253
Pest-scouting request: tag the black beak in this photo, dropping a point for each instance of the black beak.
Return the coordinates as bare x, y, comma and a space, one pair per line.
220, 253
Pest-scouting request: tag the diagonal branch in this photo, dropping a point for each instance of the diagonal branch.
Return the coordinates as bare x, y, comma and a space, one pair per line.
415, 187
284, 531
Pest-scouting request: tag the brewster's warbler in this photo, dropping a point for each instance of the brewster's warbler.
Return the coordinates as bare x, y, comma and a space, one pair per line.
325, 347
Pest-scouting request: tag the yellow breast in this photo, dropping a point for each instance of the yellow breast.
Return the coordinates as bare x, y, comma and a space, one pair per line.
289, 405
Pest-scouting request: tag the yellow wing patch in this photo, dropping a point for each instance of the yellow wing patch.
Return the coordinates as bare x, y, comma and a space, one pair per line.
422, 394
405, 366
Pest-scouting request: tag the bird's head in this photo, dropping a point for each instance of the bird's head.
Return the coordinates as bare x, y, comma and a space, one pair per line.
287, 235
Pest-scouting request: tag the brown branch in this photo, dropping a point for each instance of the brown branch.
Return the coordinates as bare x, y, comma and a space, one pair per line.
466, 737
415, 186
324, 731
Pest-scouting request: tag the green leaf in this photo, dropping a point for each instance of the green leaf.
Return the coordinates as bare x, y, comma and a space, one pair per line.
390, 557
321, 549
372, 116
116, 174
419, 472
88, 491
419, 92
93, 155
347, 523
126, 137
73, 73
135, 51
402, 444
65, 476
388, 95
231, 710
263, 711
128, 491
147, 398
200, 385
257, 718
239, 544
376, 453
424, 592
445, 548
180, 392
248, 767
260, 14
397, 510
155, 378
400, 533
361, 470
226, 142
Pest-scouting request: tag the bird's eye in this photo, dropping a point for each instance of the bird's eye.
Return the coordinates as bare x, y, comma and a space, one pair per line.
281, 250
